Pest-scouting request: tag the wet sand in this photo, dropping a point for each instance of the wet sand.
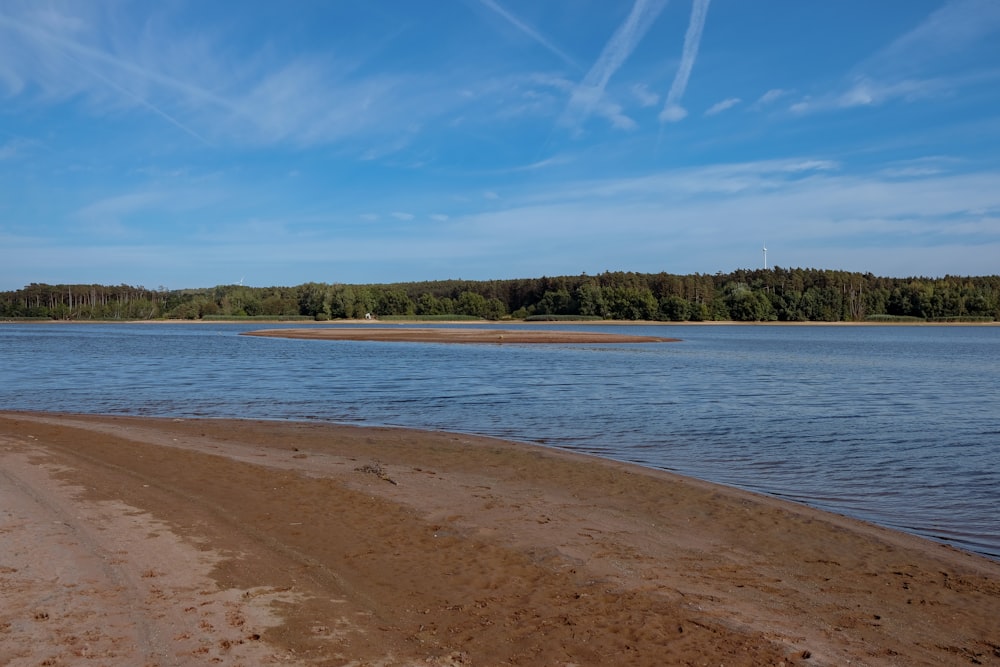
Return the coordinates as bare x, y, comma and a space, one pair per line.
128, 541
458, 335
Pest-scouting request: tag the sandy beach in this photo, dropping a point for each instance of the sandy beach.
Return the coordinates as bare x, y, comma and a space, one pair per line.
458, 335
155, 542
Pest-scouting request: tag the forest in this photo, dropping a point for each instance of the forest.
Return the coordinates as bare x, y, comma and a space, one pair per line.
775, 294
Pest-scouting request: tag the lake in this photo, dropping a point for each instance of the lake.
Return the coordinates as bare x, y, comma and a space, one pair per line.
898, 425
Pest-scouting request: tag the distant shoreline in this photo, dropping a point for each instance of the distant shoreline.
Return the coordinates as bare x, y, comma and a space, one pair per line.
502, 323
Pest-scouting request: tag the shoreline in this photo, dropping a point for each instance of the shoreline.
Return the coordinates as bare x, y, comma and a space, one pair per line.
398, 546
500, 323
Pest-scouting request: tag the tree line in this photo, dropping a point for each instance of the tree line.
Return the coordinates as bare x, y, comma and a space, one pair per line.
776, 294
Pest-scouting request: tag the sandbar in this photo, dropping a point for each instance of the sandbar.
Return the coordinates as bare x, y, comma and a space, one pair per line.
458, 335
136, 541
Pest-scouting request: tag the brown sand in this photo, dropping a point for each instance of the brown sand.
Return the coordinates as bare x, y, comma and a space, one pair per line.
463, 335
128, 541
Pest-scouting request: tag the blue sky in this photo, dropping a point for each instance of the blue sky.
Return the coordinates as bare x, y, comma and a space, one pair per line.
190, 144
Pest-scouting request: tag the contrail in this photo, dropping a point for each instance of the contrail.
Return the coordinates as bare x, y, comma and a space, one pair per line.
672, 111
95, 55
529, 31
617, 50
145, 103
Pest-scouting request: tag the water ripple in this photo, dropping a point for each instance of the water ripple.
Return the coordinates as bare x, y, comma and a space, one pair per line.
896, 425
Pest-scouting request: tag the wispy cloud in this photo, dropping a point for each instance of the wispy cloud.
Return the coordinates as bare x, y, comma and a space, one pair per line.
146, 104
672, 110
401, 216
537, 165
924, 166
710, 181
768, 98
870, 93
527, 30
808, 203
589, 96
719, 107
110, 64
952, 30
46, 55
108, 218
921, 64
120, 206
13, 148
646, 97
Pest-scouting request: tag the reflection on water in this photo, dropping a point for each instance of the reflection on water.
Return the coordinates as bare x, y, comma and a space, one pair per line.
898, 425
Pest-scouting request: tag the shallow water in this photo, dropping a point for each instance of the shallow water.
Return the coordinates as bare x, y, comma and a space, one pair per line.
897, 425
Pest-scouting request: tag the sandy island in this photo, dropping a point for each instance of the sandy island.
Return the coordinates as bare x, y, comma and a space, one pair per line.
129, 541
458, 335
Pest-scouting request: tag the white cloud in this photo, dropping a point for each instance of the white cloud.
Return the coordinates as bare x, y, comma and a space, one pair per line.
920, 167
805, 105
681, 220
405, 217
806, 203
867, 92
489, 194
770, 97
724, 105
644, 95
870, 93
673, 113
540, 164
439, 217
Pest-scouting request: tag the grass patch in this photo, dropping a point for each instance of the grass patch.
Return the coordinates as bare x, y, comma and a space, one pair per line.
894, 318
563, 318
257, 318
962, 318
430, 318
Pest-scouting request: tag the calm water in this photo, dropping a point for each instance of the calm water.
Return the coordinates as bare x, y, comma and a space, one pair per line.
897, 425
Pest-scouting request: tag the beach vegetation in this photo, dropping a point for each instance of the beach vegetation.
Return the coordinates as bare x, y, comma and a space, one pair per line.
562, 318
431, 318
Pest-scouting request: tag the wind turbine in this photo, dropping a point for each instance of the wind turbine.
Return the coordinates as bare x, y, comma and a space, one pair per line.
765, 257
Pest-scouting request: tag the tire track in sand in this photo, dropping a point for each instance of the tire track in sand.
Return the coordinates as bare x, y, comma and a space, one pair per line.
103, 581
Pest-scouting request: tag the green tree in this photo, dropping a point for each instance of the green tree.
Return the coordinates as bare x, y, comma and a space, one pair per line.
674, 309
494, 309
314, 300
394, 302
471, 303
428, 304
590, 297
556, 302
631, 303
